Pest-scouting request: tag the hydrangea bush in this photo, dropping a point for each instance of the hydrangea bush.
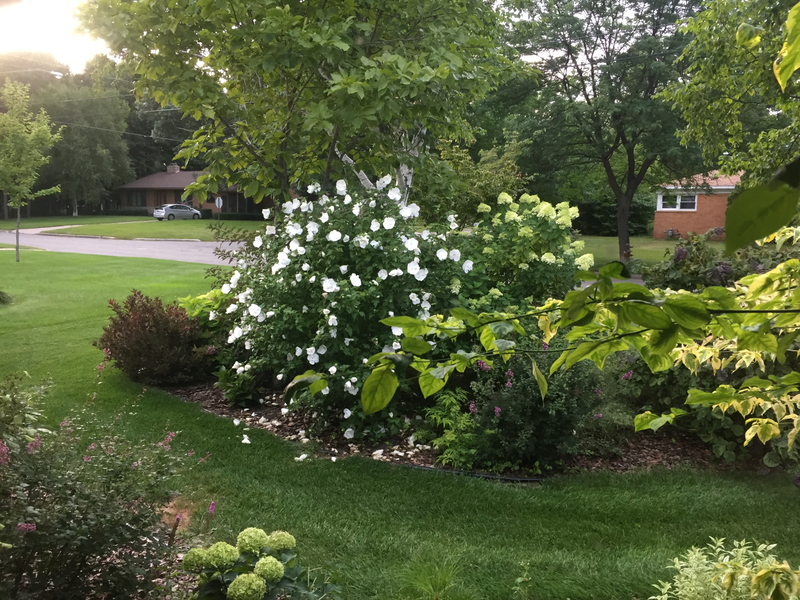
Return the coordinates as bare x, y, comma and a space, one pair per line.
309, 290
527, 251
259, 566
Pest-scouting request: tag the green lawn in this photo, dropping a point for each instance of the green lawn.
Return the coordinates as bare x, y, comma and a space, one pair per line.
153, 228
606, 249
35, 222
595, 536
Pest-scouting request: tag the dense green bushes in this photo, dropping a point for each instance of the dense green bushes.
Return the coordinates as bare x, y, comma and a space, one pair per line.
80, 506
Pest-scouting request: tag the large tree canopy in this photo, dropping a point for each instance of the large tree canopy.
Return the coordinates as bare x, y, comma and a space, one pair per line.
295, 90
733, 105
91, 159
602, 66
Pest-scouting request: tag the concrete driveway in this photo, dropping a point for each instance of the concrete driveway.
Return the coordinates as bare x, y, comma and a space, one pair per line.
183, 251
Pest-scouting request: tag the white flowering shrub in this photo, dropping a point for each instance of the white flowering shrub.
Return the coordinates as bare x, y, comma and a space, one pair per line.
527, 251
309, 291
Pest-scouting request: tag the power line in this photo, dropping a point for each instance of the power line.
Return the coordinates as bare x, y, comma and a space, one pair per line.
152, 137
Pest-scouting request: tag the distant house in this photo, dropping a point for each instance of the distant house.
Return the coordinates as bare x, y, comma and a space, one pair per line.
168, 186
693, 206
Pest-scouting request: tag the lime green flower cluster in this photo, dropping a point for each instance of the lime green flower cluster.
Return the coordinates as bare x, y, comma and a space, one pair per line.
195, 560
247, 586
252, 540
280, 540
527, 250
269, 568
222, 556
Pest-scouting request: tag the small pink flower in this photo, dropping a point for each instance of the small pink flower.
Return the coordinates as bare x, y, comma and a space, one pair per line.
628, 375
598, 391
34, 445
509, 374
211, 508
4, 460
65, 422
24, 528
87, 458
92, 446
190, 453
545, 346
101, 366
472, 407
496, 411
598, 416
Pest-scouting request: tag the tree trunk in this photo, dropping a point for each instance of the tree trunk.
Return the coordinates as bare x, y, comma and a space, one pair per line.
5, 206
19, 209
74, 207
623, 229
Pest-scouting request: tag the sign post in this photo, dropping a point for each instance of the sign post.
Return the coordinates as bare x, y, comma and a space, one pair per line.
218, 202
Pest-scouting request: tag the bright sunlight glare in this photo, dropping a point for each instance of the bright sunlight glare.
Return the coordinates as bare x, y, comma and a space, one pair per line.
47, 26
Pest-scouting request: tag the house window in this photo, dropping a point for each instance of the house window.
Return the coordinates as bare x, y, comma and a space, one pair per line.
137, 198
682, 202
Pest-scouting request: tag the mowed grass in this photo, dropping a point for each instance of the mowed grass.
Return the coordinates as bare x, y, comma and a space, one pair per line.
36, 222
183, 229
606, 249
595, 536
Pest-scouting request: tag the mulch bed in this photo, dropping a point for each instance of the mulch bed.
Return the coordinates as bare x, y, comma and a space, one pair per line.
663, 449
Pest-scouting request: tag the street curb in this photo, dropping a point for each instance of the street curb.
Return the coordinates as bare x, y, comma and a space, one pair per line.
92, 237
165, 240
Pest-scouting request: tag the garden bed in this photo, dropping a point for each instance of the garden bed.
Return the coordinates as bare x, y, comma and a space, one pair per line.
646, 450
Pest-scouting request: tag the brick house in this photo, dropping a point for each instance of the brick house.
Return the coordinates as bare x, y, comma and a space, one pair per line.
693, 206
168, 186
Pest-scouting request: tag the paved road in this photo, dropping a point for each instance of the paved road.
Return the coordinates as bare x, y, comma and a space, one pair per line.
196, 252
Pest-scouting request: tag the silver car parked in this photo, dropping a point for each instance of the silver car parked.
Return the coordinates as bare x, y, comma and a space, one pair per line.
175, 211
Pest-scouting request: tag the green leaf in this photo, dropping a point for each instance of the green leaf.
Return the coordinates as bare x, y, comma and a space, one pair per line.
760, 342
504, 345
662, 342
501, 328
378, 389
644, 314
463, 314
723, 393
748, 35
402, 322
442, 372
580, 353
615, 270
585, 276
772, 459
540, 379
301, 381
687, 311
559, 361
487, 337
319, 385
415, 346
788, 60
758, 212
655, 360
429, 385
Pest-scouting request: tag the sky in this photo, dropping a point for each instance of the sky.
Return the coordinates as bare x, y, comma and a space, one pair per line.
46, 26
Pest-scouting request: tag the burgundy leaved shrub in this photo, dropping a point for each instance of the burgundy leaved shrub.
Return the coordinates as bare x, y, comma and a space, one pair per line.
154, 343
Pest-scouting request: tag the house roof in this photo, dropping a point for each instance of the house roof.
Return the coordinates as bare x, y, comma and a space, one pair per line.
164, 181
713, 180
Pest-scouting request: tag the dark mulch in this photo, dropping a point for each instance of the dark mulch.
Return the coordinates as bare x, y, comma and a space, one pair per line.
646, 450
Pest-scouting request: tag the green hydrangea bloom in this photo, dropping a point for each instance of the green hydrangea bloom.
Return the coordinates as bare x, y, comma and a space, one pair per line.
280, 540
252, 540
270, 568
528, 199
222, 556
247, 587
504, 198
195, 560
484, 208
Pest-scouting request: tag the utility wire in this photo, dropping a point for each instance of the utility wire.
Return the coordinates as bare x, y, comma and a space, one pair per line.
152, 137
